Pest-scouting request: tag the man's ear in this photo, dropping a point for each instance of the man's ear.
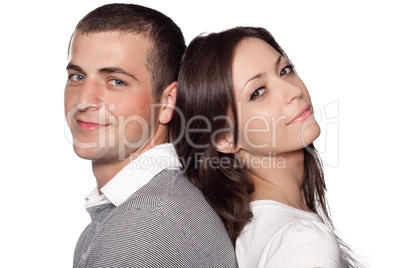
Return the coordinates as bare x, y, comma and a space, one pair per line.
168, 102
225, 144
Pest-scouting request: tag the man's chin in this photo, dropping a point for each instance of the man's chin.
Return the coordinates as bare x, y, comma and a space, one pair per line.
93, 154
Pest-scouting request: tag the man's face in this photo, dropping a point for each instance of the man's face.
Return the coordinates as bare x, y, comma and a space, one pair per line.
108, 95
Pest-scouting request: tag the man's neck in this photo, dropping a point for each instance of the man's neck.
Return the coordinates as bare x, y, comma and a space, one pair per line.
105, 171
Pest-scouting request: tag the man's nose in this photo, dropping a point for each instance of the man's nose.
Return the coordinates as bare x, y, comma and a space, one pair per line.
89, 96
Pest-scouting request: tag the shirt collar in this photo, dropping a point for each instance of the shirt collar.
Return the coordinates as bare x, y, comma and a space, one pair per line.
94, 199
139, 172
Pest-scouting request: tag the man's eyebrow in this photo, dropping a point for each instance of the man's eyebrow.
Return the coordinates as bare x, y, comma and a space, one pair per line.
77, 68
111, 70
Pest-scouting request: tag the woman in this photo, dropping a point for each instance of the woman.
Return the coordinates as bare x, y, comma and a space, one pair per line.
244, 129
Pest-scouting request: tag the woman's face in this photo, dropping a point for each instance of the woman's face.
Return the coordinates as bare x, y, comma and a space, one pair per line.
274, 106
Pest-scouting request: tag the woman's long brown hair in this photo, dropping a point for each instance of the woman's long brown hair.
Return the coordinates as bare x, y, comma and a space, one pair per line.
205, 95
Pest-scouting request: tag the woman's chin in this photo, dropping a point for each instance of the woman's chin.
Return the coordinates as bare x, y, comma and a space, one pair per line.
310, 134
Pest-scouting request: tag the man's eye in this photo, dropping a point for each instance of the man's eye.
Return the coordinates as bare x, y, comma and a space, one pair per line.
77, 77
258, 93
289, 69
116, 82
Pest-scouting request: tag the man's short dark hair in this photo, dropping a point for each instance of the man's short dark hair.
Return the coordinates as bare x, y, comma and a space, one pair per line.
167, 41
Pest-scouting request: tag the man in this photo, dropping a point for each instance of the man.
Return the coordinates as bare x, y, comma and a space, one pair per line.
119, 99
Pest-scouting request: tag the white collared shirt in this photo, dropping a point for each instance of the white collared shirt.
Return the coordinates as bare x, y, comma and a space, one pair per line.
135, 175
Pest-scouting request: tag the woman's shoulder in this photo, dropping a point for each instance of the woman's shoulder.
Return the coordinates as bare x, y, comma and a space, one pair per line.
273, 214
272, 219
309, 243
277, 232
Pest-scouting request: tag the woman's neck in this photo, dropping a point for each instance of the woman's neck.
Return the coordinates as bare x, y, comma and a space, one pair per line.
282, 180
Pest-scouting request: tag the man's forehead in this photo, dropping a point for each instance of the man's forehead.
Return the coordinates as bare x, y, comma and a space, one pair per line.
109, 41
117, 34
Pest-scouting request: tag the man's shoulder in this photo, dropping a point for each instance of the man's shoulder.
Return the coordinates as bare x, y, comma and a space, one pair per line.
184, 203
167, 188
172, 195
167, 211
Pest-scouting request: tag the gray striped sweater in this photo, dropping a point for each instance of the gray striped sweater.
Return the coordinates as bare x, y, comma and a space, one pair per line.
166, 223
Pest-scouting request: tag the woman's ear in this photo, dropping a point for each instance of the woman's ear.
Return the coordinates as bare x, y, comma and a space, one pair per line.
168, 103
225, 144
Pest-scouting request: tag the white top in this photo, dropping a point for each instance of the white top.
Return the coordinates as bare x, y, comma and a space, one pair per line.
282, 236
135, 175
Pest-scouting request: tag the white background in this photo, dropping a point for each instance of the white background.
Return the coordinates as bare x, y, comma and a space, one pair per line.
347, 52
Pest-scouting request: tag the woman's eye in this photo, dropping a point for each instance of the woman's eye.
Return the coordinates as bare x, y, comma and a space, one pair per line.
116, 82
286, 70
258, 93
77, 77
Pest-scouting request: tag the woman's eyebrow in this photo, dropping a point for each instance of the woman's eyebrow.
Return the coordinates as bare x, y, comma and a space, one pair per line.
278, 61
252, 78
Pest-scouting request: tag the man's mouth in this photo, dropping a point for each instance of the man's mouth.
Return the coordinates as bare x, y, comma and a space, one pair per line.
90, 126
